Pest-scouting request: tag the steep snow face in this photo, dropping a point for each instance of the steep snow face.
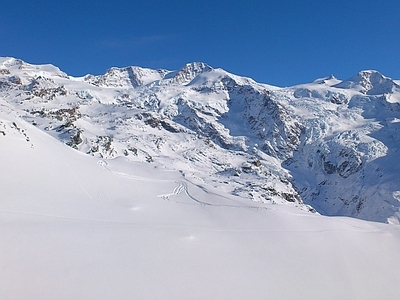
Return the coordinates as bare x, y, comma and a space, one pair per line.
344, 165
328, 144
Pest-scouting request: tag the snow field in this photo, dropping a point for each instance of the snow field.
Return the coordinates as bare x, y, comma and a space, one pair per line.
77, 227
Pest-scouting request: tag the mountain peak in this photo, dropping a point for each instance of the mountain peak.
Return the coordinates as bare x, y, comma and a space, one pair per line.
8, 62
329, 80
126, 77
190, 71
199, 66
369, 82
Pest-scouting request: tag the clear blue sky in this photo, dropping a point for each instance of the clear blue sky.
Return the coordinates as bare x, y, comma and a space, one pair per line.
277, 42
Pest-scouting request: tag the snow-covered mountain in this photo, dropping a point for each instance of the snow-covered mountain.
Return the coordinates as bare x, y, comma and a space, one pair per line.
195, 184
328, 146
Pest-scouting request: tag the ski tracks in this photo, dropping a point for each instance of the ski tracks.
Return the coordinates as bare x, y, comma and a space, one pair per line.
181, 187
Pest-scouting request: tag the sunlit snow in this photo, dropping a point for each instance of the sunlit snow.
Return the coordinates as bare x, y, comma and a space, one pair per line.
181, 215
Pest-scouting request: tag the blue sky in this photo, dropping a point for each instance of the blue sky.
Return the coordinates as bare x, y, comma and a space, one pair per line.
276, 42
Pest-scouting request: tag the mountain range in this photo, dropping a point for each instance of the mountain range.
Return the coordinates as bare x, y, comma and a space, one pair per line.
328, 146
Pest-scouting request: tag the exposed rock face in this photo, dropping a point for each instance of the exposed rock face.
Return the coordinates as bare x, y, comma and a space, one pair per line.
330, 144
45, 88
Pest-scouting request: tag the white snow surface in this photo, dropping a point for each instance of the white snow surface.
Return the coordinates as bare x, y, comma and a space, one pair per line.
79, 227
196, 184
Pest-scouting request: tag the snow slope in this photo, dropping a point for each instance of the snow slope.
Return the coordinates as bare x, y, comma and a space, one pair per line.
74, 226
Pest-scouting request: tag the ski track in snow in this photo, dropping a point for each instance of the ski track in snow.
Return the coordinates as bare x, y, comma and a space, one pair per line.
165, 226
76, 177
183, 187
177, 190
